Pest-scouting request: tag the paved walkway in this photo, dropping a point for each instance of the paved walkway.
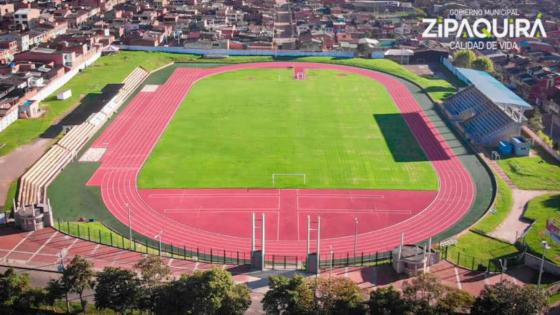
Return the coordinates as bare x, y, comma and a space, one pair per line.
39, 250
515, 225
15, 163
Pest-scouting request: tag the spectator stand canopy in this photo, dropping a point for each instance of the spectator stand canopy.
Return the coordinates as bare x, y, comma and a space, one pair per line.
495, 91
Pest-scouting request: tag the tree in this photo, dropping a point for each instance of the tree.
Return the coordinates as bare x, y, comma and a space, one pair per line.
55, 290
507, 298
454, 302
337, 296
313, 296
464, 58
237, 300
484, 64
77, 277
288, 296
117, 289
12, 286
426, 287
204, 292
536, 122
31, 298
386, 301
153, 270
426, 295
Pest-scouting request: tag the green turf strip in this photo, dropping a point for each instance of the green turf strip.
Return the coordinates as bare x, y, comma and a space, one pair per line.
237, 129
539, 210
474, 250
502, 208
533, 173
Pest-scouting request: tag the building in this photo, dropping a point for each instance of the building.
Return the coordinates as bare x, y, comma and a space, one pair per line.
44, 55
429, 55
413, 260
24, 17
401, 56
34, 217
8, 114
486, 111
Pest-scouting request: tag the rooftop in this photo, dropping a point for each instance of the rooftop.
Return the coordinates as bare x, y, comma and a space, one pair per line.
492, 88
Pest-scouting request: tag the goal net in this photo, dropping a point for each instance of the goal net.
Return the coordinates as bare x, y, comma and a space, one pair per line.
288, 179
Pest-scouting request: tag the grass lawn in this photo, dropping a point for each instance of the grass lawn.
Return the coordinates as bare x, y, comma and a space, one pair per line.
114, 68
237, 129
89, 83
533, 173
540, 210
502, 207
98, 233
473, 249
10, 196
438, 89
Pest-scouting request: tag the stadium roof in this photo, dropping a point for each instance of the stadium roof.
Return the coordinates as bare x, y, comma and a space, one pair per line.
492, 88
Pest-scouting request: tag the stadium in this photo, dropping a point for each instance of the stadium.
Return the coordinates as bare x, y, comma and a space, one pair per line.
287, 158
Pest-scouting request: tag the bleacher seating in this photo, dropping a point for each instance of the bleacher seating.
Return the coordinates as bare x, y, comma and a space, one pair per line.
483, 121
483, 126
469, 99
34, 182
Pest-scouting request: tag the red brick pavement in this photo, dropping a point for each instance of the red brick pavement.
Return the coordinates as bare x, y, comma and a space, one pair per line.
40, 250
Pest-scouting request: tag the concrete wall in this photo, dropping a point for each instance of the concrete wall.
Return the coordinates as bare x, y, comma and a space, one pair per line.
58, 83
8, 119
446, 63
534, 262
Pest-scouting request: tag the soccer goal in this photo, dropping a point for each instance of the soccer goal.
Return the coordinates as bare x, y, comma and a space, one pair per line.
276, 178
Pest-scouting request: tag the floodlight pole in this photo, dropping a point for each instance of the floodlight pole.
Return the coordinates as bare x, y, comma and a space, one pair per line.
545, 247
429, 254
263, 241
129, 226
401, 246
253, 220
308, 233
158, 236
331, 263
318, 244
355, 235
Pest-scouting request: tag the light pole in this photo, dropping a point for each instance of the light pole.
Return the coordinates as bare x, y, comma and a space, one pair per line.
355, 235
158, 236
331, 263
129, 226
545, 247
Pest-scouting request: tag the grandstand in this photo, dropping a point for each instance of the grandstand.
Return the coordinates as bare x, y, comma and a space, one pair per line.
34, 183
486, 111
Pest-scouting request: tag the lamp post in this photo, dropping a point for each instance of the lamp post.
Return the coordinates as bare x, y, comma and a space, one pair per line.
129, 225
331, 262
158, 236
545, 247
355, 235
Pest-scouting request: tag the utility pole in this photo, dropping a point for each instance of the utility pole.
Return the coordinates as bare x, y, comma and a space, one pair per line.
129, 226
355, 235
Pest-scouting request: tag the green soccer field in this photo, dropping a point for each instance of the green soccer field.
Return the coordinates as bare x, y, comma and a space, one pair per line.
237, 129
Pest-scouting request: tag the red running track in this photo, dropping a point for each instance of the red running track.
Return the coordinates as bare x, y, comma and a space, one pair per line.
220, 218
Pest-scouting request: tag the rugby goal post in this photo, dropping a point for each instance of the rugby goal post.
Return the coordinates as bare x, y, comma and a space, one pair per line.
276, 175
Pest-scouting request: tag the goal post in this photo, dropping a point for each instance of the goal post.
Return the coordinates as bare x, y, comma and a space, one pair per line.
276, 176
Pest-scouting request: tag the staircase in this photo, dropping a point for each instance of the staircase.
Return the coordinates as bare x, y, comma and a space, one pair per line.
499, 171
